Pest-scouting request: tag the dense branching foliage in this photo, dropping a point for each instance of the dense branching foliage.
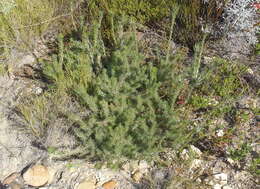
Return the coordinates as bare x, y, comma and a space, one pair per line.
131, 102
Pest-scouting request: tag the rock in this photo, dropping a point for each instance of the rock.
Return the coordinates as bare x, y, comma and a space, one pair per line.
11, 178
221, 178
126, 167
185, 154
195, 150
217, 186
15, 185
137, 176
37, 175
196, 163
134, 165
231, 161
227, 187
220, 133
87, 184
159, 174
52, 173
143, 166
110, 184
38, 90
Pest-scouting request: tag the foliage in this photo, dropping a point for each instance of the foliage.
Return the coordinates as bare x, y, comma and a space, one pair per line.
254, 168
241, 153
192, 15
225, 82
130, 115
134, 104
22, 22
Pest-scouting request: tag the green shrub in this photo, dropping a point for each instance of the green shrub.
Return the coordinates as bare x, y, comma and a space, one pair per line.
131, 102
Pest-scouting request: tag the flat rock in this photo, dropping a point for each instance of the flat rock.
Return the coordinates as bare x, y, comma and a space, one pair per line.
87, 184
37, 175
110, 184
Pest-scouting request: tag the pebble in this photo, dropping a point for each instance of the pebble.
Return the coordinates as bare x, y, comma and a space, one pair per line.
110, 184
137, 176
87, 184
221, 178
196, 163
38, 175
196, 150
220, 133
217, 186
143, 166
226, 187
11, 178
185, 154
38, 90
159, 175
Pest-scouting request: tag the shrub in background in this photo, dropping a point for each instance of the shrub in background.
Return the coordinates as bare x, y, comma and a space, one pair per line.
192, 15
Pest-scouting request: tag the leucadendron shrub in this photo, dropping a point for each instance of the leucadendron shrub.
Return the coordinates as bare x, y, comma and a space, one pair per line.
131, 102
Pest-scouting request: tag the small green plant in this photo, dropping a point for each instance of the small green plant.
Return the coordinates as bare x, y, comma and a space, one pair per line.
241, 153
255, 166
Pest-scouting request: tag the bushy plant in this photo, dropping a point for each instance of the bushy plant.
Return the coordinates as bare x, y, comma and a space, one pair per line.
131, 102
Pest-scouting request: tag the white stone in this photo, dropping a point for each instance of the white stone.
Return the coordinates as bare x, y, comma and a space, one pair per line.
221, 176
250, 71
217, 186
143, 166
195, 150
196, 163
227, 187
38, 90
185, 154
231, 161
220, 133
